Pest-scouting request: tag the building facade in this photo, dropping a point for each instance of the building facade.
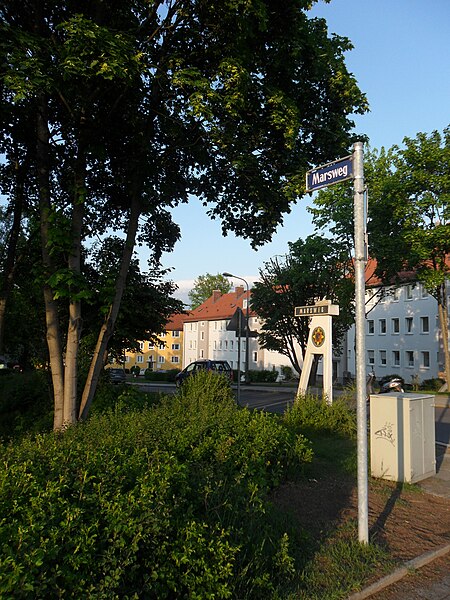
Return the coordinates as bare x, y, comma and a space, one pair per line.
164, 355
207, 334
403, 334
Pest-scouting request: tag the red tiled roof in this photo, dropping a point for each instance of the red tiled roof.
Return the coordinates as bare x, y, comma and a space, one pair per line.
176, 321
220, 307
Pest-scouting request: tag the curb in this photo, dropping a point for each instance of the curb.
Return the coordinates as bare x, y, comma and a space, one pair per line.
415, 563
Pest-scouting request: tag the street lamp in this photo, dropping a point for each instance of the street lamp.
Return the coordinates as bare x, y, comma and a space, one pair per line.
246, 322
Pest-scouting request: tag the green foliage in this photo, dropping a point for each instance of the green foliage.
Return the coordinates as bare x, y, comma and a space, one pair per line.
311, 414
433, 385
204, 286
157, 503
263, 376
25, 403
169, 375
314, 268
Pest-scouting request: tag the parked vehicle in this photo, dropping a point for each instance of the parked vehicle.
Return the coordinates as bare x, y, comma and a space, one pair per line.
116, 375
218, 366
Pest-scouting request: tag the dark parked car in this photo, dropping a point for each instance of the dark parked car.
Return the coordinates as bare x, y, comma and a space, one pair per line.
116, 375
218, 366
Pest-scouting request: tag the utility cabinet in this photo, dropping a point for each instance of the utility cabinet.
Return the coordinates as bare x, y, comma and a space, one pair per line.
402, 436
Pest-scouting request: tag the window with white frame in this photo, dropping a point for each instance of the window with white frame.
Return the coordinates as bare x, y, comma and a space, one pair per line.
127, 358
396, 295
139, 358
370, 327
231, 344
423, 291
175, 359
371, 357
383, 358
202, 354
202, 335
409, 292
395, 325
424, 325
255, 356
426, 360
175, 333
382, 326
141, 346
395, 358
151, 346
162, 346
409, 354
175, 346
161, 360
409, 323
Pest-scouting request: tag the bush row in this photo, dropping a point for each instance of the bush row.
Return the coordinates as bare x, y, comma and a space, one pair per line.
164, 502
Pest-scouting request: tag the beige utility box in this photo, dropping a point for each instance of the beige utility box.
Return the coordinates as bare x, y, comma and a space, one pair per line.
402, 437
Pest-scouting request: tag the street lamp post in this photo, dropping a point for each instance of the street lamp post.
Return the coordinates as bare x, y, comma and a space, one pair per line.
246, 322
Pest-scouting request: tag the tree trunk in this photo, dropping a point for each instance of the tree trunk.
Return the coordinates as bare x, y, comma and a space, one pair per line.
51, 309
74, 264
107, 329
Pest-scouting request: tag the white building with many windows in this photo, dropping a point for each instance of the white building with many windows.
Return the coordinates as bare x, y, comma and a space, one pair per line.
402, 334
206, 335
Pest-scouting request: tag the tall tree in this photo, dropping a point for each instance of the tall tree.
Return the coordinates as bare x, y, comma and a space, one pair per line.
138, 104
314, 269
204, 286
409, 218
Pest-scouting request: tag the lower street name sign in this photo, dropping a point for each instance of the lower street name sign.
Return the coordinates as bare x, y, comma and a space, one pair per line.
334, 172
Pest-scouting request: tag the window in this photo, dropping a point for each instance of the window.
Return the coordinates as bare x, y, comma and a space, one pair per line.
139, 358
255, 357
175, 359
202, 354
202, 335
175, 334
423, 292
409, 325
231, 344
371, 357
395, 358
141, 346
151, 346
215, 345
370, 327
382, 325
175, 346
127, 359
396, 294
426, 360
383, 358
395, 325
409, 292
409, 358
162, 346
161, 360
226, 344
424, 325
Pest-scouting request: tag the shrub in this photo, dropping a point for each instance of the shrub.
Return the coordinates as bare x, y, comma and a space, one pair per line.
25, 403
309, 413
161, 375
165, 502
264, 376
434, 384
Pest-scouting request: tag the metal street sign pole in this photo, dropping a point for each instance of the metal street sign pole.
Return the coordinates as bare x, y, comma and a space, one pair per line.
360, 317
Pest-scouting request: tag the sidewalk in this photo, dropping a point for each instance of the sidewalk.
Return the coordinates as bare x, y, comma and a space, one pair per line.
400, 584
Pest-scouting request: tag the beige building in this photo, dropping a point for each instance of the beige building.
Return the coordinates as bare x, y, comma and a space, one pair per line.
162, 356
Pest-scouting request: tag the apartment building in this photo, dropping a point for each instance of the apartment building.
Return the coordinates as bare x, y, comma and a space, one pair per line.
403, 334
166, 354
207, 333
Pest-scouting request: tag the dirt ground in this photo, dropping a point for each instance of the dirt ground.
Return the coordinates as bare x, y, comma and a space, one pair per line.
405, 520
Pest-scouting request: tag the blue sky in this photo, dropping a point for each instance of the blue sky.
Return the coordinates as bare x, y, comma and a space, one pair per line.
401, 60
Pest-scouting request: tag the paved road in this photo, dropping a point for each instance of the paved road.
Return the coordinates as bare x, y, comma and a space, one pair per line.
276, 399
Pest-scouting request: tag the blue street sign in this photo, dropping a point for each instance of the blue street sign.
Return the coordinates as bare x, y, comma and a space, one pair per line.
334, 172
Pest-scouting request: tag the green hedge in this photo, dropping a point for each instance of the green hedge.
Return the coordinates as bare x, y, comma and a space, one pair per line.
161, 375
165, 502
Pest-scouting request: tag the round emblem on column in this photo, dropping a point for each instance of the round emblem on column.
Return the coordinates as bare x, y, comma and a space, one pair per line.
318, 337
